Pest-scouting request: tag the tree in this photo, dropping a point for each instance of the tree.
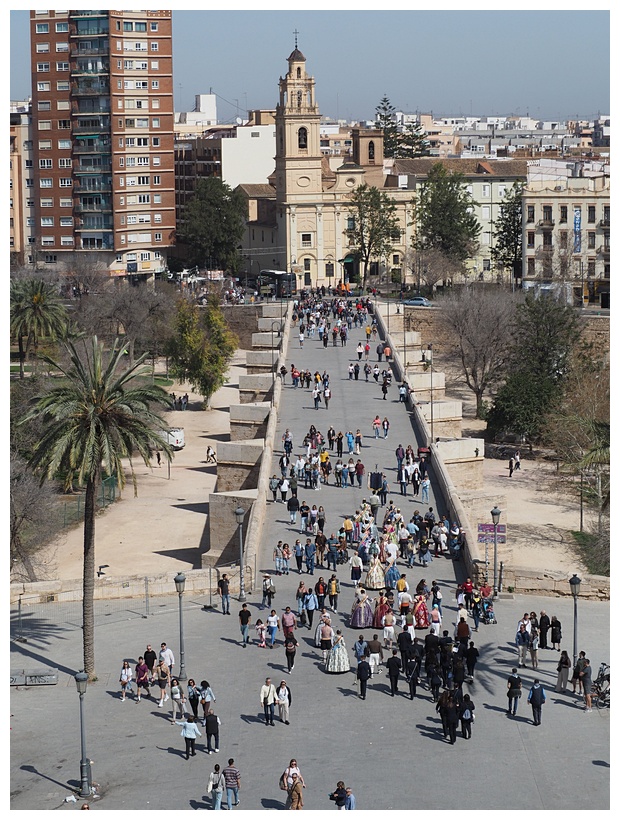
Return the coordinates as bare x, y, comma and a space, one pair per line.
481, 323
87, 271
213, 224
430, 267
546, 335
507, 250
98, 416
201, 346
373, 225
444, 215
407, 143
36, 312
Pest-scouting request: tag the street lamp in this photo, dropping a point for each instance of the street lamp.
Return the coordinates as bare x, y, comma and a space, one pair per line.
239, 515
575, 584
495, 515
179, 582
430, 353
81, 681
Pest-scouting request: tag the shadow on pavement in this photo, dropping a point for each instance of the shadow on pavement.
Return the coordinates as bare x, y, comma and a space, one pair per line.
268, 803
252, 718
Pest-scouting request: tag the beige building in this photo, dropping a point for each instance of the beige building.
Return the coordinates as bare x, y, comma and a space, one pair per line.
566, 230
21, 184
302, 226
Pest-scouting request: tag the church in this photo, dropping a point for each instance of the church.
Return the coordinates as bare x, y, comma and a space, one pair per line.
298, 221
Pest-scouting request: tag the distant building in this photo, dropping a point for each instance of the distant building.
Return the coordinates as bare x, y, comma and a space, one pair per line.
102, 120
21, 183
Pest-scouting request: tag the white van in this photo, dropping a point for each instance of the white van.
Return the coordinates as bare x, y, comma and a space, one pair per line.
175, 437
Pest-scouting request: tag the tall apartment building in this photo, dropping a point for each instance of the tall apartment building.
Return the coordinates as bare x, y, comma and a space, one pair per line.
103, 137
21, 183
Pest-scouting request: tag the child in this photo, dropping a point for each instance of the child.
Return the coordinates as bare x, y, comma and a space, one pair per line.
261, 631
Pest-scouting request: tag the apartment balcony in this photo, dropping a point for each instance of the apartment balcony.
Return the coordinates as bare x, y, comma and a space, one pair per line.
88, 88
80, 50
103, 205
89, 129
93, 30
604, 223
92, 186
96, 148
603, 250
83, 71
545, 223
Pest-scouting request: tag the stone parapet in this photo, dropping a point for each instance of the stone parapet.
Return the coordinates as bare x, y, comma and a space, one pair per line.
224, 547
269, 340
255, 388
265, 325
238, 464
261, 361
249, 421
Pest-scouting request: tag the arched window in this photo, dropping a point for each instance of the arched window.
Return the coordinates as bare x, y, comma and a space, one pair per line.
299, 73
302, 138
371, 150
281, 135
299, 99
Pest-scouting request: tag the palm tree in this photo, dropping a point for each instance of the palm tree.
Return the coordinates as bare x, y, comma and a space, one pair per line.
36, 311
95, 418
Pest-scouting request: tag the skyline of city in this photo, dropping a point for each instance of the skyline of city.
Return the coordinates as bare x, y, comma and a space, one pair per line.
462, 85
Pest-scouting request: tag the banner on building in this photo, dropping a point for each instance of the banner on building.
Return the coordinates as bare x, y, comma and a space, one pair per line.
577, 229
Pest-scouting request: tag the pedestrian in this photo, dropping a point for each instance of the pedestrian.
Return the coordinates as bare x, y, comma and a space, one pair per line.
223, 588
517, 458
292, 505
471, 658
467, 716
289, 621
514, 692
261, 633
165, 654
556, 633
268, 699
364, 673
522, 640
295, 793
206, 698
189, 731
150, 659
576, 680
327, 394
452, 717
349, 803
273, 625
212, 727
284, 700
245, 616
564, 664
216, 787
534, 641
177, 696
544, 624
274, 485
125, 679
142, 678
384, 389
290, 648
163, 680
586, 679
211, 458
425, 484
158, 455
333, 591
393, 666
511, 467
193, 696
536, 699
232, 780
339, 795
288, 777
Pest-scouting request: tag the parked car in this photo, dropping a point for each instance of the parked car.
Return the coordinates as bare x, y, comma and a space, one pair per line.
417, 301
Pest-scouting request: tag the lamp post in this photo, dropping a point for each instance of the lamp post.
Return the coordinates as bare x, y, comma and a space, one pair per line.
575, 584
179, 582
81, 681
430, 350
495, 515
239, 515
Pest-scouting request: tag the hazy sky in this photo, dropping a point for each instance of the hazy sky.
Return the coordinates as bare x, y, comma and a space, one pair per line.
550, 64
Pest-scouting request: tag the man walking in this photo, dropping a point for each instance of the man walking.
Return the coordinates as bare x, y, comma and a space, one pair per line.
223, 588
375, 654
245, 616
165, 655
364, 673
212, 727
393, 666
585, 676
536, 698
522, 639
333, 590
232, 781
514, 692
268, 697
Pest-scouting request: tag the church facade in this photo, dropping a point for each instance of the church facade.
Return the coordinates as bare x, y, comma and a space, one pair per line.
299, 222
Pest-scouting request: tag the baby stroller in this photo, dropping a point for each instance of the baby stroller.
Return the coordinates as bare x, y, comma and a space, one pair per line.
488, 615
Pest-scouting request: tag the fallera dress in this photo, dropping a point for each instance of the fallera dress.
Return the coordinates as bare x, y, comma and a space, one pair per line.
338, 660
361, 613
375, 577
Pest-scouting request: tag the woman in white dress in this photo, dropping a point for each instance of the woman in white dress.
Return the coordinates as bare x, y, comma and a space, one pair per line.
338, 659
375, 577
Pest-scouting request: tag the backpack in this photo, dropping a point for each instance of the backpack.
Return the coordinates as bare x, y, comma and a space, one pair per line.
467, 714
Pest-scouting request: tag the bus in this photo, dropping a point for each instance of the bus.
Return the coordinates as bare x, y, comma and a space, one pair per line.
278, 283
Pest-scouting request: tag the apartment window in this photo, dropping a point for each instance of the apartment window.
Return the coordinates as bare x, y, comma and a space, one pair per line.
154, 65
60, 27
591, 268
62, 105
157, 237
28, 145
43, 66
154, 46
66, 241
30, 183
62, 85
486, 211
306, 240
132, 219
156, 160
486, 190
530, 239
66, 221
43, 86
531, 267
64, 125
547, 213
66, 182
142, 142
127, 26
130, 123
154, 103
64, 144
65, 163
30, 221
145, 256
144, 218
47, 202
563, 240
45, 164
142, 65
156, 122
591, 213
530, 213
44, 105
28, 163
156, 179
42, 48
155, 84
591, 239
155, 142
48, 242
51, 258
501, 190
157, 218
42, 28
486, 265
62, 47
157, 199
66, 202
144, 123
563, 213
131, 181
62, 66
547, 239
154, 26
142, 160
45, 145
144, 199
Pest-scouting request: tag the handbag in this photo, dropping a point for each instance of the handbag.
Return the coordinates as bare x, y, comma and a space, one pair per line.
282, 782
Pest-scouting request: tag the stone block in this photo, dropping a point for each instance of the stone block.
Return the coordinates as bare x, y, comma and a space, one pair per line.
255, 387
249, 421
266, 325
460, 448
266, 340
223, 527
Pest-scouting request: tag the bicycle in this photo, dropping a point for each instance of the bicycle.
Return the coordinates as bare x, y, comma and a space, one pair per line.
601, 688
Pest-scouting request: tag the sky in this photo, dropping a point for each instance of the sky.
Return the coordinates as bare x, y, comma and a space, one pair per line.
551, 64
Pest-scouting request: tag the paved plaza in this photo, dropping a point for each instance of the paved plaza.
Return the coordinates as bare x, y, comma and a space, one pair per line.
391, 751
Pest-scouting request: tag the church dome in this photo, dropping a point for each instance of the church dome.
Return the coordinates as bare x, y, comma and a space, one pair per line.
297, 56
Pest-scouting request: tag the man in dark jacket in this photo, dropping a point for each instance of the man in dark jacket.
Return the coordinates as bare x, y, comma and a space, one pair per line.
363, 675
212, 728
393, 666
544, 624
404, 644
536, 698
